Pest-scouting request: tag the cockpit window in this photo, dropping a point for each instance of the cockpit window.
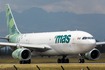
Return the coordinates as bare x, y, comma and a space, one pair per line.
90, 38
84, 38
87, 38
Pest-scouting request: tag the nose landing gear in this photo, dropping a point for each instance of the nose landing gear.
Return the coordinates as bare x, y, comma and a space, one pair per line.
81, 60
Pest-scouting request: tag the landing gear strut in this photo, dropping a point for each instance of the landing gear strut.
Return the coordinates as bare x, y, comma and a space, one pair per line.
81, 60
63, 60
25, 62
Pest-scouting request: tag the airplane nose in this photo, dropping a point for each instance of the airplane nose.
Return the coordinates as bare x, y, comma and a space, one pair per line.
92, 43
89, 45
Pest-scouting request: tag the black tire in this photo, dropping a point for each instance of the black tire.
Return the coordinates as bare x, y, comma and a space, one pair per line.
67, 60
83, 60
29, 61
79, 60
20, 62
62, 60
59, 61
25, 62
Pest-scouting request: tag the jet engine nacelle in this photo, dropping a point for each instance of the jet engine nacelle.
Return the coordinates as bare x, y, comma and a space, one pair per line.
94, 54
22, 54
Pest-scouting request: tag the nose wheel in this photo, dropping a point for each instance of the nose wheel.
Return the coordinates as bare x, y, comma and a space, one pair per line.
81, 60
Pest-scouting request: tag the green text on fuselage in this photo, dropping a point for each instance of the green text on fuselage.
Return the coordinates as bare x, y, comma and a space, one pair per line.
62, 39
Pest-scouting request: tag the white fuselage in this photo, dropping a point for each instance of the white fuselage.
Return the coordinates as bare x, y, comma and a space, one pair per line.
62, 43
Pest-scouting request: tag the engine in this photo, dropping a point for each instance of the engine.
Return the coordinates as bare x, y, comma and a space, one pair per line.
94, 54
22, 54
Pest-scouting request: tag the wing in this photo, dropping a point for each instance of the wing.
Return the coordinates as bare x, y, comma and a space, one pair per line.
4, 38
100, 43
29, 46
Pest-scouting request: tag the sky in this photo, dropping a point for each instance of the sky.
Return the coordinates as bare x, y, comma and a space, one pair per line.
75, 6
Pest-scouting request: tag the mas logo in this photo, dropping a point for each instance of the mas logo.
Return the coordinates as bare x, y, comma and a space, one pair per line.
62, 39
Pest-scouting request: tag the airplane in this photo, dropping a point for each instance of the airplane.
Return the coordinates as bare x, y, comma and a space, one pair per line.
61, 43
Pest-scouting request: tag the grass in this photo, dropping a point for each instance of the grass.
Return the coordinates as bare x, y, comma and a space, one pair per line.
53, 66
6, 61
7, 64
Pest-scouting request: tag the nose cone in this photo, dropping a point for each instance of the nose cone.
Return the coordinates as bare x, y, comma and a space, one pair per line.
87, 42
89, 45
86, 45
92, 43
